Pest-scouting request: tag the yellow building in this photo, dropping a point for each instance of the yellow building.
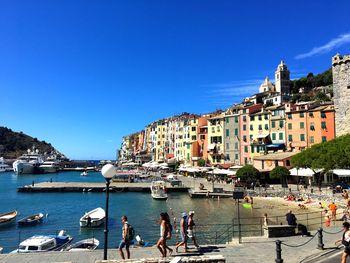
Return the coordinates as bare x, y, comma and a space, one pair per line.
215, 139
161, 138
190, 136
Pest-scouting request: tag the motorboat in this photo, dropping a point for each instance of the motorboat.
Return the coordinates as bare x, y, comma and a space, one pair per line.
29, 163
8, 218
124, 176
94, 218
158, 190
44, 243
85, 173
84, 245
3, 166
49, 167
31, 220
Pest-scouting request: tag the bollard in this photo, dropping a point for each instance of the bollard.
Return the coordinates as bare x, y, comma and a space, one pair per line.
320, 244
278, 252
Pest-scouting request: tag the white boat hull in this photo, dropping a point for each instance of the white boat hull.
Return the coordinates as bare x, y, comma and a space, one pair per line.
48, 169
97, 218
94, 223
24, 168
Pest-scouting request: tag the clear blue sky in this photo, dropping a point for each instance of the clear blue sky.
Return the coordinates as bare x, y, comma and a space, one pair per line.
81, 74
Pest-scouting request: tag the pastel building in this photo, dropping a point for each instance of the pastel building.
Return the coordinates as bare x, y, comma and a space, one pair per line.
245, 136
259, 132
232, 135
215, 139
277, 128
321, 125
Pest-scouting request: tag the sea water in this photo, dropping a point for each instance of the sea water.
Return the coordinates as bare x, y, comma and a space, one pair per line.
64, 209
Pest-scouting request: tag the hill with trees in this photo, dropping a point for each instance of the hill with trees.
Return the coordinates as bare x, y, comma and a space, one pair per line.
13, 144
311, 81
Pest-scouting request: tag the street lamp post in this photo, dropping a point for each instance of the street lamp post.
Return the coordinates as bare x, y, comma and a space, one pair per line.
107, 171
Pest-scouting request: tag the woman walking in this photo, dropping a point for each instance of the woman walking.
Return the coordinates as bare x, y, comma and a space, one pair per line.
345, 241
161, 244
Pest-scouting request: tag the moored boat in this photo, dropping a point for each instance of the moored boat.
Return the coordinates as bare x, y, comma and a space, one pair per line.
85, 173
84, 245
31, 220
94, 218
158, 190
28, 163
8, 218
49, 167
44, 243
3, 166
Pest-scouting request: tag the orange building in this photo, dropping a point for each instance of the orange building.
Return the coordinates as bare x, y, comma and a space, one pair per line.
321, 126
200, 146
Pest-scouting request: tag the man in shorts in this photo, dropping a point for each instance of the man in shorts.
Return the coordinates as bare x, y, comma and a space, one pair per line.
183, 232
125, 242
190, 230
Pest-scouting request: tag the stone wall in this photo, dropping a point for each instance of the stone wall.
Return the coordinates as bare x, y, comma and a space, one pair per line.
341, 88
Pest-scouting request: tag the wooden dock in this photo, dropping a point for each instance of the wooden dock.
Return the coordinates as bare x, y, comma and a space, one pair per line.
94, 187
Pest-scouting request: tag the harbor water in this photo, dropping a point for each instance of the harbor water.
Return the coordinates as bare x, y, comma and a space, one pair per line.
63, 210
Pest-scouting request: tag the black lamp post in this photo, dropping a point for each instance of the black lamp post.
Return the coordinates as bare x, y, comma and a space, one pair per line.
107, 171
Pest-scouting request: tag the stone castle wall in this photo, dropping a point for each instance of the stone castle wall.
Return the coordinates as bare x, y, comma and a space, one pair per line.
341, 88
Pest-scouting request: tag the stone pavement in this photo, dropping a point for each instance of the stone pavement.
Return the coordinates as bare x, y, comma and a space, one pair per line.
253, 249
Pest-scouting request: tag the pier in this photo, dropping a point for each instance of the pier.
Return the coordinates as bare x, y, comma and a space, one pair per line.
93, 187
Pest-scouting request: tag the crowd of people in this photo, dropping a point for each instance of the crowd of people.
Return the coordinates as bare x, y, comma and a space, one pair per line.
186, 230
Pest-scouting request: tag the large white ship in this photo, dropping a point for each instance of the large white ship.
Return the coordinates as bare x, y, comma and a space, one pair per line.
28, 163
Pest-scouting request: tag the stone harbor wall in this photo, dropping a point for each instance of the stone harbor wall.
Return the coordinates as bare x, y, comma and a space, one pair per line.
341, 87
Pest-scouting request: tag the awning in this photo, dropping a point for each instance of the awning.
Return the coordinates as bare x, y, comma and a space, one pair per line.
304, 172
211, 146
276, 145
342, 172
261, 136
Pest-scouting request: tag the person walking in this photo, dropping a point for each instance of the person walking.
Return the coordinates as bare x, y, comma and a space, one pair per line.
125, 242
190, 229
333, 207
183, 232
169, 231
345, 240
161, 244
327, 218
291, 218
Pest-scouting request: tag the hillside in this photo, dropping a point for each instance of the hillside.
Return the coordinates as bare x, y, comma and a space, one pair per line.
311, 81
13, 144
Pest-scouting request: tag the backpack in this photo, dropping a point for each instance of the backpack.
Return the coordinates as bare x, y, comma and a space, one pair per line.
131, 233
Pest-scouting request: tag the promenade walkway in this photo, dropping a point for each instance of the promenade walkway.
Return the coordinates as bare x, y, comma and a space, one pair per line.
253, 249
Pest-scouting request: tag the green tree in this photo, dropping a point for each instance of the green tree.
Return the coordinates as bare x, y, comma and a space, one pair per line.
201, 162
282, 173
248, 173
321, 96
334, 154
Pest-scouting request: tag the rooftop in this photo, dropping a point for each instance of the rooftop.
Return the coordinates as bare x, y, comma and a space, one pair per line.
275, 156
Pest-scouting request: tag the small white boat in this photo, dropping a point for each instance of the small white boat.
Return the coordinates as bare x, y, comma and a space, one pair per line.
94, 218
158, 190
8, 218
31, 220
44, 243
3, 166
84, 245
85, 173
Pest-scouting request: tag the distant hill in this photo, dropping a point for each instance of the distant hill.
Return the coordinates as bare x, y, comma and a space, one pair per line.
14, 144
311, 81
